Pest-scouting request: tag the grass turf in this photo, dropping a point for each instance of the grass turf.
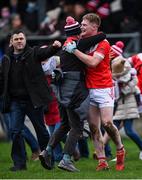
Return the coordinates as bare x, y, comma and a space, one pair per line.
87, 167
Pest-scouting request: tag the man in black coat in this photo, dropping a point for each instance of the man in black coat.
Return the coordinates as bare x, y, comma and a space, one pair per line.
25, 91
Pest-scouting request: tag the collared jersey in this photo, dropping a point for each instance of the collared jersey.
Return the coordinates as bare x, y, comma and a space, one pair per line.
100, 76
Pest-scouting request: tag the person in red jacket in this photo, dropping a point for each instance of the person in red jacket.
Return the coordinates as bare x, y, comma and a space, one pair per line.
52, 120
136, 62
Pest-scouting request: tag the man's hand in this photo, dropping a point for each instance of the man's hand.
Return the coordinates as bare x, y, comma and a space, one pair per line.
57, 44
70, 47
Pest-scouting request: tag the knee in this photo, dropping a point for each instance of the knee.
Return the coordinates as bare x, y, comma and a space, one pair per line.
108, 125
64, 127
16, 134
77, 132
93, 128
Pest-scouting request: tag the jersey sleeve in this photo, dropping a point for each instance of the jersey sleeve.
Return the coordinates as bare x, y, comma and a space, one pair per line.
102, 49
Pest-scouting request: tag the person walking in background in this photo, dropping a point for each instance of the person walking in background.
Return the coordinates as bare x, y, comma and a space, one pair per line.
24, 91
101, 91
27, 135
136, 62
26, 132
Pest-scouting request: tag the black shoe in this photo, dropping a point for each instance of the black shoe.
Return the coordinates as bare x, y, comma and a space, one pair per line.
68, 166
18, 168
46, 159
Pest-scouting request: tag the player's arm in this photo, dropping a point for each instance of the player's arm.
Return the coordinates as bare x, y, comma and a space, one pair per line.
91, 61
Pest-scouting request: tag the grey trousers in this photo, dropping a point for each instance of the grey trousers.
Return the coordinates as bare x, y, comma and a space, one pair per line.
74, 103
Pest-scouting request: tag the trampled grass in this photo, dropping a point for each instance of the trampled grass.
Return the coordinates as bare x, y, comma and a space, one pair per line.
87, 167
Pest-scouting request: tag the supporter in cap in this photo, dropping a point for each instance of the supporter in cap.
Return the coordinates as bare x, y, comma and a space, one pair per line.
117, 49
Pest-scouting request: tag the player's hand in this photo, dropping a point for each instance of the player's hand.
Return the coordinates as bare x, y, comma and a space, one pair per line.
70, 47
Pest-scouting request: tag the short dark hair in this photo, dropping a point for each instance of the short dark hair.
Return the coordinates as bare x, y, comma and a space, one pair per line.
18, 31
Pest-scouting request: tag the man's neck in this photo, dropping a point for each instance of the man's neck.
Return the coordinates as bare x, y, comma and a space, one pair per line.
18, 52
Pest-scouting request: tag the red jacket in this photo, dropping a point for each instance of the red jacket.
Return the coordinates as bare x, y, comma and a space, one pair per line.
53, 115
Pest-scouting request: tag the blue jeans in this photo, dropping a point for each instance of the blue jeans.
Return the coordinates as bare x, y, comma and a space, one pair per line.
83, 147
18, 110
6, 117
30, 139
107, 146
58, 152
130, 132
27, 134
108, 151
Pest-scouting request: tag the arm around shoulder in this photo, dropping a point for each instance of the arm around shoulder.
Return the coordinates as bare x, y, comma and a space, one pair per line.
88, 42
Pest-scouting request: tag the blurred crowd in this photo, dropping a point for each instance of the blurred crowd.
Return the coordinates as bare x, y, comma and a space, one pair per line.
117, 16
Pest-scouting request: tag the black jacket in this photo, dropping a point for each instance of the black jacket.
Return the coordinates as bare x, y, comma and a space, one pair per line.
69, 62
33, 74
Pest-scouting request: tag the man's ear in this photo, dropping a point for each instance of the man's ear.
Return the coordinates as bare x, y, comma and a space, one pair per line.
95, 27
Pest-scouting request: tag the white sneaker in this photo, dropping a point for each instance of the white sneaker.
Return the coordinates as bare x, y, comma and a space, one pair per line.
140, 155
114, 160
